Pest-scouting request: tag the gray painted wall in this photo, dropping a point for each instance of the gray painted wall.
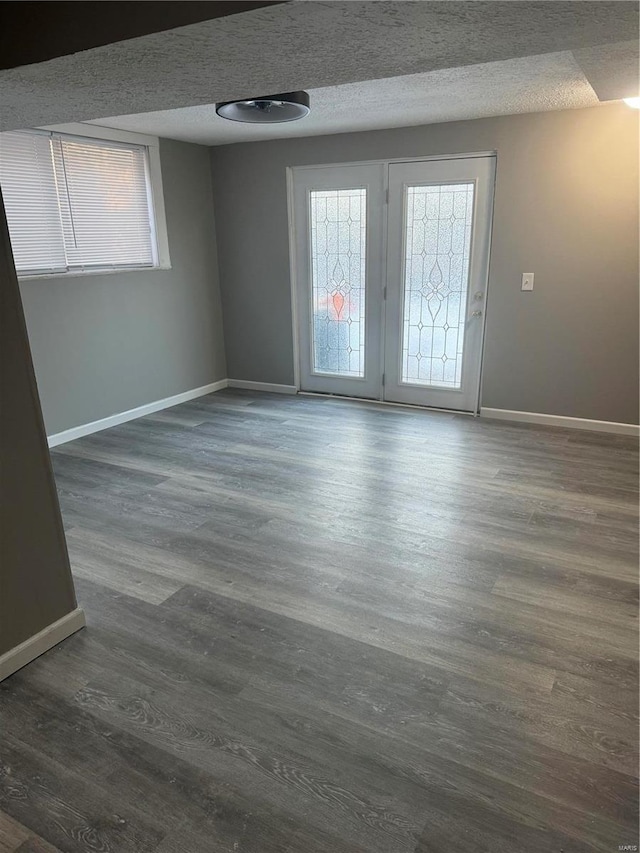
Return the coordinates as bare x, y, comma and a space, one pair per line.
35, 580
103, 344
566, 208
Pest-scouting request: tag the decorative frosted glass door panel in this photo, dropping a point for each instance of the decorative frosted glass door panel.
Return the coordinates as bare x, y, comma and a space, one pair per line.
338, 275
338, 216
436, 277
439, 229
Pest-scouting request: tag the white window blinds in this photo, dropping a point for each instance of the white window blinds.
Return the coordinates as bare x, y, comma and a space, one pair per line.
76, 204
31, 201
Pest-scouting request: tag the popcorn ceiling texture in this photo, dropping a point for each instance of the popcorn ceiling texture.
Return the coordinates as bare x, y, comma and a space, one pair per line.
612, 69
531, 84
307, 45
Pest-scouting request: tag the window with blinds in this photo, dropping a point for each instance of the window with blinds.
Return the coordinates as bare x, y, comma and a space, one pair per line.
76, 204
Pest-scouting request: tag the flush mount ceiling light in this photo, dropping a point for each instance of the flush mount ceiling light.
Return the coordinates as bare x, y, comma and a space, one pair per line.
288, 106
632, 102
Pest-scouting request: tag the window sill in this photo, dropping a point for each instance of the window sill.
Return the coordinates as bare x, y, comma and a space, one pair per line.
80, 273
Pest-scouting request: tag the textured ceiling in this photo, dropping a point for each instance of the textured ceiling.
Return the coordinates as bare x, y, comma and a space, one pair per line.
308, 45
553, 81
612, 69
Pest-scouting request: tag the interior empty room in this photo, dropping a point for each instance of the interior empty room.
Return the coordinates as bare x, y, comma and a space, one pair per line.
319, 362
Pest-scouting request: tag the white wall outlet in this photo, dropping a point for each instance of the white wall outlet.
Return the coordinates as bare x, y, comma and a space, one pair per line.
527, 281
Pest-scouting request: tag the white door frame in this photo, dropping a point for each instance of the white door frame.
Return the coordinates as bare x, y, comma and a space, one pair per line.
295, 327
369, 178
480, 173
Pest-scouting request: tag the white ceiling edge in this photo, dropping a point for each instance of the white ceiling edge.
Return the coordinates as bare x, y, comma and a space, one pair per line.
552, 81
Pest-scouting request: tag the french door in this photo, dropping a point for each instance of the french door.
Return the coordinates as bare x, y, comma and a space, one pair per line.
391, 264
339, 223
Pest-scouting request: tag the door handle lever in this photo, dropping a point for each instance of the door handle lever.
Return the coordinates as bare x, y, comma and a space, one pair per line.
476, 313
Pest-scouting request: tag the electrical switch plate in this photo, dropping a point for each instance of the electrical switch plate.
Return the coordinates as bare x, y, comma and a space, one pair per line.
527, 281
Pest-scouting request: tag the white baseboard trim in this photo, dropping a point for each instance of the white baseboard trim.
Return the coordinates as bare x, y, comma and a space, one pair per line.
248, 385
132, 414
560, 421
30, 649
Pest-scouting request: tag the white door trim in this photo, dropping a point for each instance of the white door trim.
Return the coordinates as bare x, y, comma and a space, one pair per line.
293, 278
312, 377
291, 171
388, 161
419, 173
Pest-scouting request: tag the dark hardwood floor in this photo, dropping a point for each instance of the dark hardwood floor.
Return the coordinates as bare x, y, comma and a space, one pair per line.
317, 626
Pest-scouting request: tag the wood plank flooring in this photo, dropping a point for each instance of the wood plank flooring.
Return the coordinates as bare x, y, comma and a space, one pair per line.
319, 626
15, 838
